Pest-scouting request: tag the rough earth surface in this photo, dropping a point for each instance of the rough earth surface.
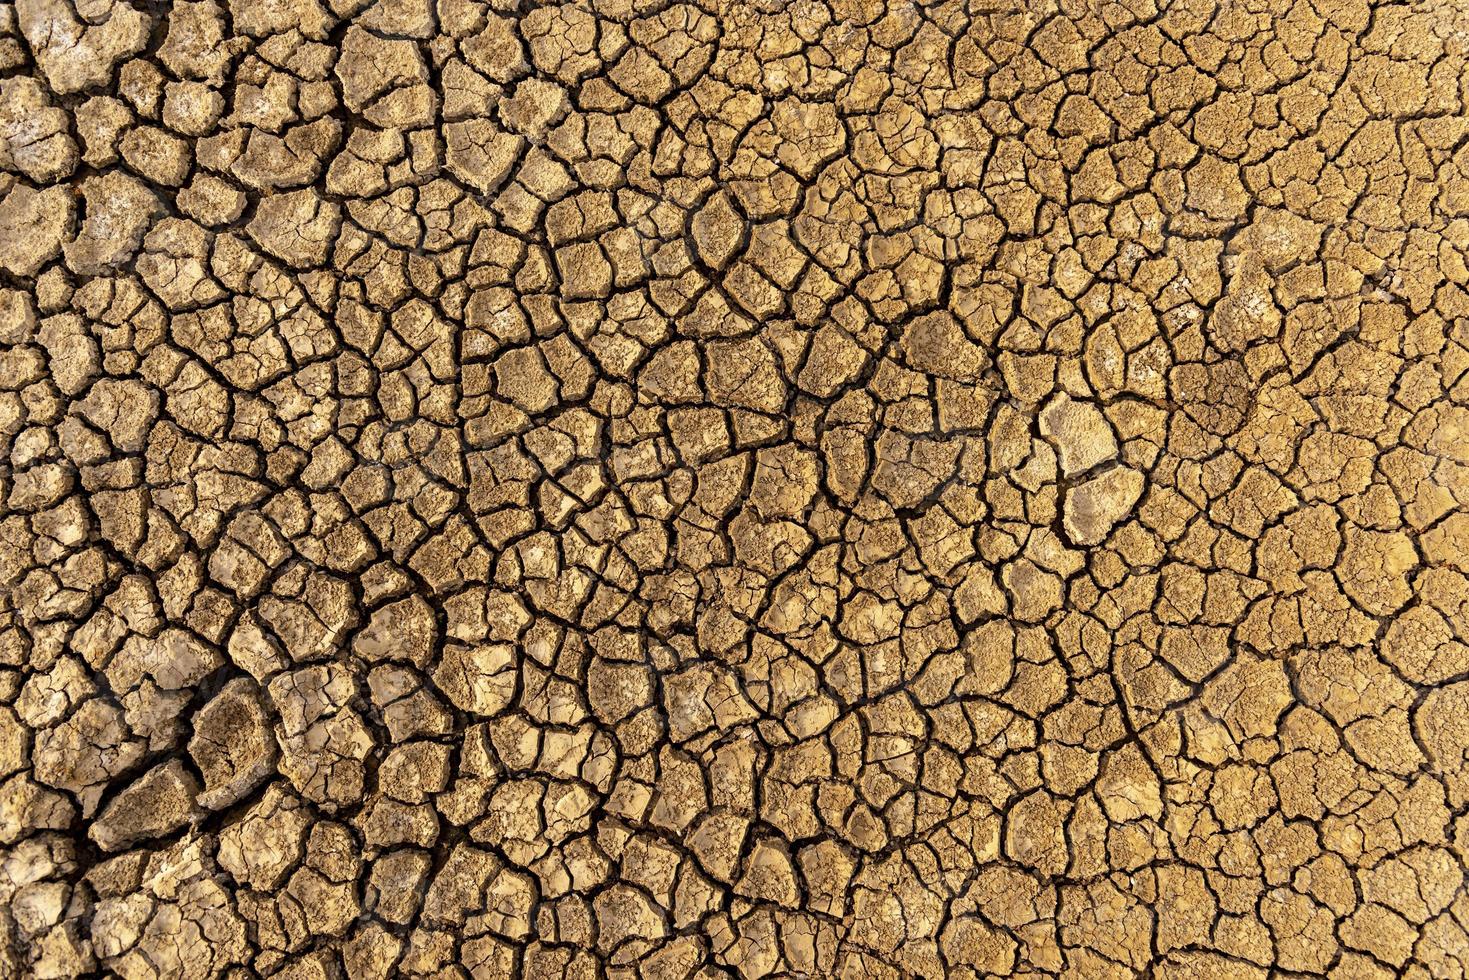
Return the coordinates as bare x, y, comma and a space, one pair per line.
662, 489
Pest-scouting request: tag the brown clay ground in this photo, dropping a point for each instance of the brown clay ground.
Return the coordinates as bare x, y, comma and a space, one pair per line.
728, 490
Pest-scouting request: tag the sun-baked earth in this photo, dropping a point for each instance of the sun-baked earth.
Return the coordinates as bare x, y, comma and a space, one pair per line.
724, 490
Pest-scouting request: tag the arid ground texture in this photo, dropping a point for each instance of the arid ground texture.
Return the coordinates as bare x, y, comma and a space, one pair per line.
718, 490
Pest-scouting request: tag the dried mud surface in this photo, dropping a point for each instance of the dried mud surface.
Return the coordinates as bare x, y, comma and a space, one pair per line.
660, 490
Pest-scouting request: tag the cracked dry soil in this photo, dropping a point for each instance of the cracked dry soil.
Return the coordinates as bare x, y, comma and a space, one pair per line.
654, 490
